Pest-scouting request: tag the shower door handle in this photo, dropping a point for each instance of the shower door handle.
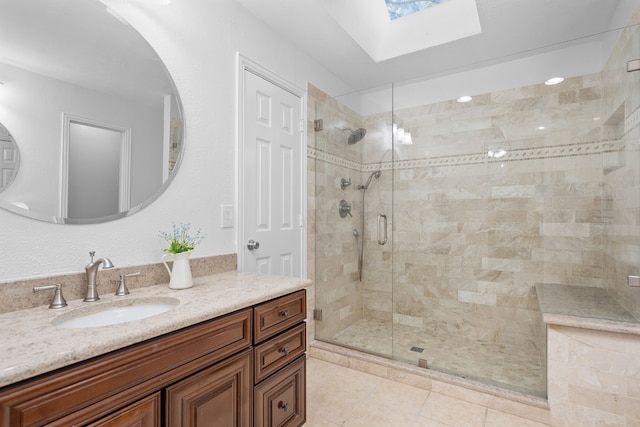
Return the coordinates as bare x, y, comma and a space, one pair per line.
382, 229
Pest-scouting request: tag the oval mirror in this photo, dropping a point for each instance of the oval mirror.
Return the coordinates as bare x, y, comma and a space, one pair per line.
96, 115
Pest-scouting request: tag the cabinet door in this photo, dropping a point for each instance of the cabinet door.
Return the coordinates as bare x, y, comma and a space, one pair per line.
219, 396
144, 413
280, 400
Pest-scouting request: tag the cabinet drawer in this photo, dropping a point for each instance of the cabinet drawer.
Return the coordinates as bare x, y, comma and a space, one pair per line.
145, 413
278, 315
279, 401
273, 354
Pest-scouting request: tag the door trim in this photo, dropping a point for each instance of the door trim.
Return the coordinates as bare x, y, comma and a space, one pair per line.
247, 64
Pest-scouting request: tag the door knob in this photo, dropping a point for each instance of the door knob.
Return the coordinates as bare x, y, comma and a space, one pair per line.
253, 245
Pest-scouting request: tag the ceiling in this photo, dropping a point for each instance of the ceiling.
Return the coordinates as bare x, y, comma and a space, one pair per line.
511, 29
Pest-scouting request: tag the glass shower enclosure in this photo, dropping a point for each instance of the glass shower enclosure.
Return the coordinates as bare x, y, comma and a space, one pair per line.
435, 218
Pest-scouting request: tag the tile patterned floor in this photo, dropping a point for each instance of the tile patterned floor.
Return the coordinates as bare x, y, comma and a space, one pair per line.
498, 364
339, 396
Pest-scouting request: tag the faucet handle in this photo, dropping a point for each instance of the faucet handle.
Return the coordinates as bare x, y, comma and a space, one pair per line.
122, 289
58, 300
92, 254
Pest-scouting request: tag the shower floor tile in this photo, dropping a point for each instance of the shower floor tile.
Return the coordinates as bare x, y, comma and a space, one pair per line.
499, 364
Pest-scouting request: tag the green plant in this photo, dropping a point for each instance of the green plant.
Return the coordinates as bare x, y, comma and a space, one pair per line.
180, 240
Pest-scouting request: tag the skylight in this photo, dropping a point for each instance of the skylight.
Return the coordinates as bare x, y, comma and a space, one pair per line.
368, 23
399, 8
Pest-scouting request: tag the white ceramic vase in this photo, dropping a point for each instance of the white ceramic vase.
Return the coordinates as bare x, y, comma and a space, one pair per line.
181, 272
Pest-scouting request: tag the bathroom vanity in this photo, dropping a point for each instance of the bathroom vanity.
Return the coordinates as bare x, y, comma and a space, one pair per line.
244, 365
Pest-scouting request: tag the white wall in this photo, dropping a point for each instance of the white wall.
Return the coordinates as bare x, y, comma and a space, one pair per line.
198, 40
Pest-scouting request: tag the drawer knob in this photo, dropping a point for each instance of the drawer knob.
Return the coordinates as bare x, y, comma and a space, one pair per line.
283, 405
284, 350
284, 314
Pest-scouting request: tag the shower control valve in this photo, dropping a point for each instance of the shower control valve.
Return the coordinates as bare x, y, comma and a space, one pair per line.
344, 183
344, 209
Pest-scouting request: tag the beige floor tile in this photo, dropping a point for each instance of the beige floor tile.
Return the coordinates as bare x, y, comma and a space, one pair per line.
400, 397
338, 396
329, 405
453, 412
502, 419
371, 415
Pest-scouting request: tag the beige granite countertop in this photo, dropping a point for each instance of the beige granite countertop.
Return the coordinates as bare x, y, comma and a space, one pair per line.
31, 345
584, 307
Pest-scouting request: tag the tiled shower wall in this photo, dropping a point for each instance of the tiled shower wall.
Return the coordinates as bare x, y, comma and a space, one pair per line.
474, 234
334, 256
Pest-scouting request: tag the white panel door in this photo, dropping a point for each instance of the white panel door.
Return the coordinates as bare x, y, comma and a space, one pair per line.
272, 193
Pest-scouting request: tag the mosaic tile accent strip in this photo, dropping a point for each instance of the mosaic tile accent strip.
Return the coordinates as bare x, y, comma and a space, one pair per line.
313, 153
568, 150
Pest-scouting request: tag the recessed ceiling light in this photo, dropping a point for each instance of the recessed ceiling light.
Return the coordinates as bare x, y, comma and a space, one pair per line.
464, 98
554, 81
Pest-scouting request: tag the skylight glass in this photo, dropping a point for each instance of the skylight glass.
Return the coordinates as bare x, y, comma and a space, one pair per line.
399, 8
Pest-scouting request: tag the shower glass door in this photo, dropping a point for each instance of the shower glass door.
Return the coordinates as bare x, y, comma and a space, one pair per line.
352, 152
468, 210
520, 185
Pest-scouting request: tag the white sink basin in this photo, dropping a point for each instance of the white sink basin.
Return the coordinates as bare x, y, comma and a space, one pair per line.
115, 312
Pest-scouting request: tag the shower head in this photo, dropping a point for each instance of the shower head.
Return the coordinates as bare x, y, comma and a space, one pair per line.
355, 135
375, 175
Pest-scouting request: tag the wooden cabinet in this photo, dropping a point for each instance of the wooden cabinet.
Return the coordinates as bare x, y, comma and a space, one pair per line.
279, 336
88, 391
202, 375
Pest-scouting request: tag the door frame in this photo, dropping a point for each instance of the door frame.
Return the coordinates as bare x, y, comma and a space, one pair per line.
247, 64
124, 189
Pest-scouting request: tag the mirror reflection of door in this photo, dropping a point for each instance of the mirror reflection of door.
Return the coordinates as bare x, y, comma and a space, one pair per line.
97, 170
9, 156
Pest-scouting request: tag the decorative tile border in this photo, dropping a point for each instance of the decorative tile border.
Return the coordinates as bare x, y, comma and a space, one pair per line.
323, 156
558, 151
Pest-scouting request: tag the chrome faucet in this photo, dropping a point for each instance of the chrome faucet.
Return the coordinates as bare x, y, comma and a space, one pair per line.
92, 273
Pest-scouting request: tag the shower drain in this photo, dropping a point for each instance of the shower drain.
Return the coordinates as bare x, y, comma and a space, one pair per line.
417, 349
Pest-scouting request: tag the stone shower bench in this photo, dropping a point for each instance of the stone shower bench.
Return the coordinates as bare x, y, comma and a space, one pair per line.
593, 357
584, 307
